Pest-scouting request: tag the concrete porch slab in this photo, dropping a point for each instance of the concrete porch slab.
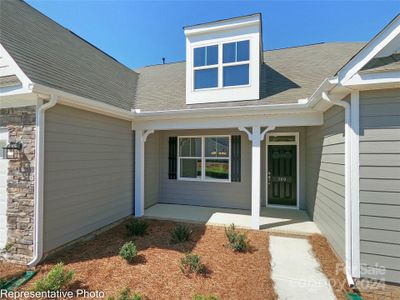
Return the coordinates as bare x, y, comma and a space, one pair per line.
278, 220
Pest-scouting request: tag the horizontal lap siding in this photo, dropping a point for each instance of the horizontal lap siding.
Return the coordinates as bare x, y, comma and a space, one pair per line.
88, 173
325, 177
380, 181
231, 195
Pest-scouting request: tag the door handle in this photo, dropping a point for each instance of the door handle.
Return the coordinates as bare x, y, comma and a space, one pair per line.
269, 177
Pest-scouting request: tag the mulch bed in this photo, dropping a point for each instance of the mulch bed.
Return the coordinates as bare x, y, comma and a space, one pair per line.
9, 270
331, 265
156, 272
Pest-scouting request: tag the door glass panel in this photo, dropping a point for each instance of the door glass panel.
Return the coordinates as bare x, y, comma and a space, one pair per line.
282, 138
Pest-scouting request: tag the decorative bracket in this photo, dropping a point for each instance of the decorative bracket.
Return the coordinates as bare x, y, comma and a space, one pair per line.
146, 133
262, 136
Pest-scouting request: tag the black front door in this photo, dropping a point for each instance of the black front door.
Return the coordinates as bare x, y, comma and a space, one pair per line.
282, 174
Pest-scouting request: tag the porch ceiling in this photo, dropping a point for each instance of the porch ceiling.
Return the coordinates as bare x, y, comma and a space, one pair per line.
280, 220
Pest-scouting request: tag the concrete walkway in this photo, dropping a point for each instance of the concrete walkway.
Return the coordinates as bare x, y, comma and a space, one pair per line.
271, 219
296, 272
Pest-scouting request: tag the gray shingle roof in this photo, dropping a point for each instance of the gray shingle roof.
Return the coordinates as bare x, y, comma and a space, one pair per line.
287, 75
379, 64
53, 56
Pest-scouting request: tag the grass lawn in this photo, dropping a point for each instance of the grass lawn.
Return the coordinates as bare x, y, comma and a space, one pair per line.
156, 273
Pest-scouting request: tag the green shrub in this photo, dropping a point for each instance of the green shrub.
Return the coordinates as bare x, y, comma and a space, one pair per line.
191, 263
236, 240
201, 297
8, 246
56, 279
125, 294
137, 227
180, 234
128, 251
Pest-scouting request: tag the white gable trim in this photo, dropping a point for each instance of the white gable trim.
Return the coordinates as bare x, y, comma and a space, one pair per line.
378, 43
10, 67
383, 79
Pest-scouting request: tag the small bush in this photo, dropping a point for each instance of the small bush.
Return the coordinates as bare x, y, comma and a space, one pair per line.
180, 234
236, 240
191, 263
137, 227
8, 246
55, 280
125, 294
128, 251
201, 297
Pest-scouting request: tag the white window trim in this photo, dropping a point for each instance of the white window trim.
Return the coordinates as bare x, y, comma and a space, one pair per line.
220, 66
203, 159
295, 142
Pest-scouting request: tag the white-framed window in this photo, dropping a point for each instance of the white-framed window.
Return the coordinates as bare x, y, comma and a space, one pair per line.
221, 65
204, 158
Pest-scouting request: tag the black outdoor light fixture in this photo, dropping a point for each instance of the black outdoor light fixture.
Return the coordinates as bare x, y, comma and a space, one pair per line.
12, 150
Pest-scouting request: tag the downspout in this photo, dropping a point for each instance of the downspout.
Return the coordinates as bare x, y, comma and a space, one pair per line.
38, 202
347, 180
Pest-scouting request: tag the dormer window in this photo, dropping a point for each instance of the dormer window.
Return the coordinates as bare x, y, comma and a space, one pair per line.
205, 66
234, 65
223, 60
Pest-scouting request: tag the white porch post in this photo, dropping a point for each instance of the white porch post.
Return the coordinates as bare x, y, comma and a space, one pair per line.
140, 138
255, 177
139, 173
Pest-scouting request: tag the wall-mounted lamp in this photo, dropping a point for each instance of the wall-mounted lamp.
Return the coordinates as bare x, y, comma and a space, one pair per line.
12, 150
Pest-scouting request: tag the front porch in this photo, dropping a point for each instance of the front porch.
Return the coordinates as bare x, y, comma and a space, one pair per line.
280, 220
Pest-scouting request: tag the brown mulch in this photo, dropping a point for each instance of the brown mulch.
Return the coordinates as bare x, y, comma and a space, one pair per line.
156, 272
9, 270
367, 289
331, 265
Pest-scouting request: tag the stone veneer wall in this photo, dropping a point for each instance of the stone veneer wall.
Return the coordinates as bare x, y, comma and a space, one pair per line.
21, 124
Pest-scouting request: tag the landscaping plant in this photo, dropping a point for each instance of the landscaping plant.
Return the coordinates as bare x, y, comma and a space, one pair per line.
236, 240
137, 227
128, 251
191, 263
180, 234
55, 280
125, 294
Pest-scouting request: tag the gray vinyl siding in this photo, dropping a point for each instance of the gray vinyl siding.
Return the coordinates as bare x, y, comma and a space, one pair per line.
88, 173
325, 177
152, 169
380, 181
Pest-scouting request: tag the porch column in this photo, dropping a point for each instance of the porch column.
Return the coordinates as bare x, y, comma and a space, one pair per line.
255, 177
140, 139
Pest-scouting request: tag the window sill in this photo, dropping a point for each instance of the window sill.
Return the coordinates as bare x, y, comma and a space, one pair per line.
205, 180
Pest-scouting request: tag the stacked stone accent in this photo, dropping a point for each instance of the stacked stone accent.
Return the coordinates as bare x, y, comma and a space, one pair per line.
21, 124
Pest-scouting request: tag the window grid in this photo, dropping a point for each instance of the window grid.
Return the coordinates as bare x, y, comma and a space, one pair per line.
203, 159
220, 65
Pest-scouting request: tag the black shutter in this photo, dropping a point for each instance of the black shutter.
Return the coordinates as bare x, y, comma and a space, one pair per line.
235, 159
172, 157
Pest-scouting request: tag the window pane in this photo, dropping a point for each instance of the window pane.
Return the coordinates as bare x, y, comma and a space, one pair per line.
217, 147
236, 75
229, 52
212, 55
190, 168
190, 147
199, 57
206, 78
217, 169
242, 51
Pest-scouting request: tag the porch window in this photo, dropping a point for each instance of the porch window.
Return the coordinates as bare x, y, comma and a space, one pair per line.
205, 158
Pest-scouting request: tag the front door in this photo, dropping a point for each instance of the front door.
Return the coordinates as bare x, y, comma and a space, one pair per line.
282, 174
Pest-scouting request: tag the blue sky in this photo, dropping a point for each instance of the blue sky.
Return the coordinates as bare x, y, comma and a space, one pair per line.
140, 33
